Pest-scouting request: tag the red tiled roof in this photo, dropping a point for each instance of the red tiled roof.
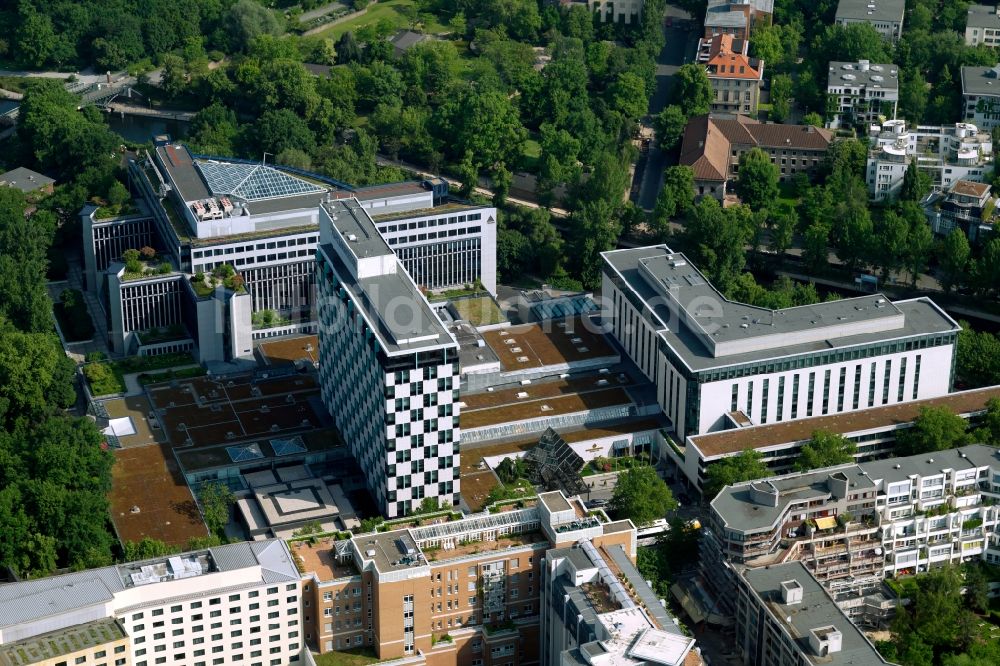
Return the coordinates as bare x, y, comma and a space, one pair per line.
969, 188
705, 149
728, 62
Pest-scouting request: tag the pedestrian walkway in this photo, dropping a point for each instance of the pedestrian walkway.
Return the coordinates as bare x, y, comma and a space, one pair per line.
78, 351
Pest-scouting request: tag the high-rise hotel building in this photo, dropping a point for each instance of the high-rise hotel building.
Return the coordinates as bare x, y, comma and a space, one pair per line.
389, 368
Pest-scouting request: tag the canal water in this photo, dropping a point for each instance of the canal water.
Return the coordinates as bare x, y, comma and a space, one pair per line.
141, 129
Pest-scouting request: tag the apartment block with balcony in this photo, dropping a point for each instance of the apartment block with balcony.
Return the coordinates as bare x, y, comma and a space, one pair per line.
854, 525
886, 16
968, 206
784, 617
861, 93
460, 592
982, 25
945, 154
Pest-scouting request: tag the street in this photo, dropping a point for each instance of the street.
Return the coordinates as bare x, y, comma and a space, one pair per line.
681, 43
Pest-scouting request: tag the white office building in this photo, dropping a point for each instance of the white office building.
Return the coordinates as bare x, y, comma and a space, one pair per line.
232, 604
863, 93
945, 154
981, 92
389, 368
717, 363
203, 213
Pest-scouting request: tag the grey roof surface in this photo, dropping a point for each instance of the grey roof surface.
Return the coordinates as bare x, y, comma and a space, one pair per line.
725, 19
735, 506
981, 80
830, 325
862, 10
983, 16
766, 6
555, 501
390, 551
25, 179
876, 76
299, 202
179, 164
817, 610
642, 590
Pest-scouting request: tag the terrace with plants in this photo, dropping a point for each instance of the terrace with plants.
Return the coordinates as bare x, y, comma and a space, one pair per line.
145, 262
205, 284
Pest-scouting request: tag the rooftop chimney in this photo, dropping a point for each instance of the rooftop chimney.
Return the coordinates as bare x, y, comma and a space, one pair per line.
791, 592
825, 641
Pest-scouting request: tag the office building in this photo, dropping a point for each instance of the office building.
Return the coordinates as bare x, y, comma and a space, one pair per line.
390, 369
886, 16
863, 92
735, 77
785, 618
944, 154
208, 217
712, 148
872, 430
715, 361
854, 525
481, 589
967, 206
237, 603
982, 26
981, 92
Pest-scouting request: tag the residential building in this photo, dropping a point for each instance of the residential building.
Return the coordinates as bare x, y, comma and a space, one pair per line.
390, 369
886, 16
204, 214
944, 154
625, 12
854, 525
735, 18
981, 91
27, 181
712, 148
785, 618
234, 603
715, 361
480, 589
967, 206
872, 429
982, 26
861, 93
735, 77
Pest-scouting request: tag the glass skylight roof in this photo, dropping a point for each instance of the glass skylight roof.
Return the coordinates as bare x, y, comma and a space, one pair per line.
252, 182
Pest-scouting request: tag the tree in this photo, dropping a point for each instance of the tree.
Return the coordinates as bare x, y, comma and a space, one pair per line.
641, 496
36, 40
595, 229
919, 241
347, 49
781, 97
891, 243
511, 469
675, 199
825, 449
745, 466
627, 95
954, 258
716, 240
669, 126
783, 220
765, 43
813, 119
216, 501
854, 234
915, 186
277, 131
693, 89
484, 126
758, 181
248, 20
935, 429
145, 549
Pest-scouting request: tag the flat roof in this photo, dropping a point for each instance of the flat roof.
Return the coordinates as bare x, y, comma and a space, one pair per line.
179, 164
884, 76
774, 434
321, 558
871, 10
25, 179
980, 80
433, 211
553, 342
983, 16
708, 331
525, 409
390, 551
817, 610
555, 501
385, 190
61, 642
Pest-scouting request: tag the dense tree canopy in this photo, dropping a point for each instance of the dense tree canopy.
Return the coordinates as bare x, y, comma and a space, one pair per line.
641, 495
825, 449
745, 466
935, 429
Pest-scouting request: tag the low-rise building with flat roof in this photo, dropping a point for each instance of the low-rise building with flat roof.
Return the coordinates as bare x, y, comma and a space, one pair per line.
982, 25
27, 181
886, 16
864, 93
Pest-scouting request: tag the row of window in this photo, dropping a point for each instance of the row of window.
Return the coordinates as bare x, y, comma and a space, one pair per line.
270, 245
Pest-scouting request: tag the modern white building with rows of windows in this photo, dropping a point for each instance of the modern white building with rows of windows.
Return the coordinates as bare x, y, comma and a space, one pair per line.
719, 364
237, 603
389, 369
201, 213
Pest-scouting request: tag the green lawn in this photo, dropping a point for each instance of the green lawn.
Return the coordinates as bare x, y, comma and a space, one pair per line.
786, 193
391, 12
358, 657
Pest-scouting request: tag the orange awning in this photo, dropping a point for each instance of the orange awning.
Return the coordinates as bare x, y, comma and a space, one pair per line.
826, 523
